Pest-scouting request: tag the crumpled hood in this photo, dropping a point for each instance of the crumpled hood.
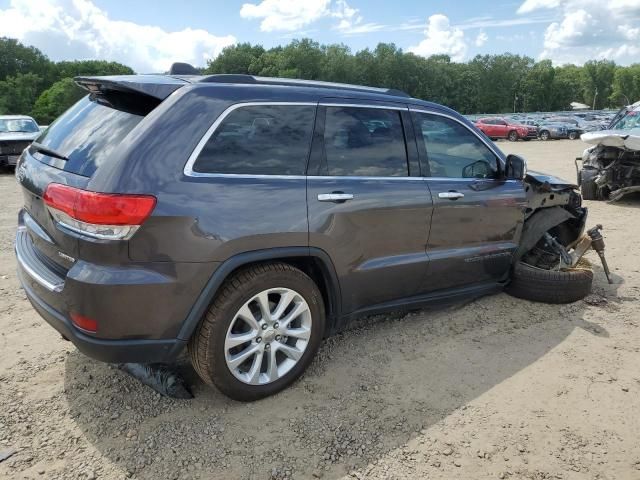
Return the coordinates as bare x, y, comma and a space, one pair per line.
556, 183
614, 138
20, 136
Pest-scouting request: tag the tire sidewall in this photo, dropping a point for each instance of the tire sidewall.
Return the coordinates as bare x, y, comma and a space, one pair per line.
294, 280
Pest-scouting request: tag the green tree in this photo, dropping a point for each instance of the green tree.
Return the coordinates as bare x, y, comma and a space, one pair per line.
626, 85
597, 81
70, 69
56, 99
16, 58
567, 87
18, 93
538, 87
236, 59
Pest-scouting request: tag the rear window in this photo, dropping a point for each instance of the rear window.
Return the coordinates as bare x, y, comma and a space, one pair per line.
260, 140
87, 134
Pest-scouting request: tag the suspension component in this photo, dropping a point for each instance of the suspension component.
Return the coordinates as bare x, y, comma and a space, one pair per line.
597, 243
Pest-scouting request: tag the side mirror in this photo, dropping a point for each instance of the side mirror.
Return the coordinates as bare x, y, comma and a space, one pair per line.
515, 167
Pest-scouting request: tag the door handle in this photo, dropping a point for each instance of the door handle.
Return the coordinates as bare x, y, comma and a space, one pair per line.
451, 195
335, 197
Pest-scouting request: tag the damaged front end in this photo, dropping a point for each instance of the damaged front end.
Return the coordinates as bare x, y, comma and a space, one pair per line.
553, 236
611, 168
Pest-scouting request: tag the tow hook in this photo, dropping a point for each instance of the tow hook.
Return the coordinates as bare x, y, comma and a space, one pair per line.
597, 243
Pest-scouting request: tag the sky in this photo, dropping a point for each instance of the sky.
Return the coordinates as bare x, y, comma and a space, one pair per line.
150, 35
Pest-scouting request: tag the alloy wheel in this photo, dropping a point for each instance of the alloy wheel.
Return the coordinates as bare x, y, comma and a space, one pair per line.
268, 336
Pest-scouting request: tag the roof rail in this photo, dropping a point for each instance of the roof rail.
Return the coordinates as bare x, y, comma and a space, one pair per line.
255, 80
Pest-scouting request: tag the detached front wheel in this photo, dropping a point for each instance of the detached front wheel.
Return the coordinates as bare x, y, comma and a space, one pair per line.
260, 333
550, 286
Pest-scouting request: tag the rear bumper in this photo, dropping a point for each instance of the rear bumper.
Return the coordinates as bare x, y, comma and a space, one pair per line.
139, 307
113, 351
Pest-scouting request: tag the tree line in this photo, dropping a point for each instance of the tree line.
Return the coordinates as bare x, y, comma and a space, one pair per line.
30, 83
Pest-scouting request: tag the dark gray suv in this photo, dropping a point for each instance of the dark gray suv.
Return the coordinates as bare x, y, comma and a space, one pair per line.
246, 218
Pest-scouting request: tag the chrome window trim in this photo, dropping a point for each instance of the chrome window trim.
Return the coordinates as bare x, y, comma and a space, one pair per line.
363, 105
355, 177
188, 168
431, 112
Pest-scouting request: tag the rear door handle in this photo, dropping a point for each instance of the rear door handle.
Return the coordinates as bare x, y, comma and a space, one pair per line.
451, 195
335, 197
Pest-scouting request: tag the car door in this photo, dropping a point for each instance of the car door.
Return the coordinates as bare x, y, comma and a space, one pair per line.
501, 128
369, 209
477, 214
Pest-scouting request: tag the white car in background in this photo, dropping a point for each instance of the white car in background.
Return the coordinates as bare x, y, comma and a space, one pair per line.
16, 133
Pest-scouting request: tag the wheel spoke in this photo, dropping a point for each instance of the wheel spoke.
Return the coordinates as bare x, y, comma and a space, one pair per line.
263, 302
291, 352
298, 310
285, 300
254, 371
301, 333
235, 339
247, 315
272, 365
237, 360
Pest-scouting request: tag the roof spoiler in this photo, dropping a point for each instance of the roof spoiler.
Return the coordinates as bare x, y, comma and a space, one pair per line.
156, 86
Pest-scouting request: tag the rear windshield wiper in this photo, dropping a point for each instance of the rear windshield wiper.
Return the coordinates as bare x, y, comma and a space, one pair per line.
38, 147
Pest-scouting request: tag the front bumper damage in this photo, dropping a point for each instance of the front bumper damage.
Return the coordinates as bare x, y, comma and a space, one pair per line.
554, 231
613, 163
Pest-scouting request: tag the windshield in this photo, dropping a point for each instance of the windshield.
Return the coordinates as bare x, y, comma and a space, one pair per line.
631, 120
16, 125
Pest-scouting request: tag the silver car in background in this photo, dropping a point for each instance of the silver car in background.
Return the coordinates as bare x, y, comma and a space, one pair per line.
16, 133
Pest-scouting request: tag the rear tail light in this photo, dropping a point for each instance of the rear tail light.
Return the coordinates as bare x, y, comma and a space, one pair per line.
84, 323
105, 216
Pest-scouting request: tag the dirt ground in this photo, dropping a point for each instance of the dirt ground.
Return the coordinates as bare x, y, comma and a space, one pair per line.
496, 388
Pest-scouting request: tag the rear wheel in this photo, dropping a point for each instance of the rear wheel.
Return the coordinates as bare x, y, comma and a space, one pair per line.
513, 136
261, 332
573, 135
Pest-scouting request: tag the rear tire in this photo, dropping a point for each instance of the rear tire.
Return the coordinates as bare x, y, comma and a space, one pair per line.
573, 135
214, 347
550, 286
513, 136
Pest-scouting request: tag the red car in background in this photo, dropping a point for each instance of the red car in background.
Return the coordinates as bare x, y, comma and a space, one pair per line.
499, 127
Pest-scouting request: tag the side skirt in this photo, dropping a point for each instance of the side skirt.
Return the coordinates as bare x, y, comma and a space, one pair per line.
440, 297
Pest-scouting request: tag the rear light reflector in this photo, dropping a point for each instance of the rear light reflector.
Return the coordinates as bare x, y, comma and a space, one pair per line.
106, 216
84, 323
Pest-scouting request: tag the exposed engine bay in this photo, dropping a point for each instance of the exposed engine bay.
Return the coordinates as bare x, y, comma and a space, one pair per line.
611, 168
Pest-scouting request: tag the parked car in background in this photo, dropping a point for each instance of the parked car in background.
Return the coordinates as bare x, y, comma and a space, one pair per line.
16, 133
501, 127
558, 130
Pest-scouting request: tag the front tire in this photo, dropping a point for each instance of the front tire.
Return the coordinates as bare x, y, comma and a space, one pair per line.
544, 135
550, 286
261, 332
573, 135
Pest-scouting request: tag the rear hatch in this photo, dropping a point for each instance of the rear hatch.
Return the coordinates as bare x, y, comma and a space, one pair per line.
74, 148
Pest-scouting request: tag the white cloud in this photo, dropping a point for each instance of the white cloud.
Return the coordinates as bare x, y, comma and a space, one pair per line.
442, 38
292, 15
285, 15
531, 5
78, 29
590, 29
481, 39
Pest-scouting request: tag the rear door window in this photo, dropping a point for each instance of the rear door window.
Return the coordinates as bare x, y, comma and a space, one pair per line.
87, 134
365, 142
260, 140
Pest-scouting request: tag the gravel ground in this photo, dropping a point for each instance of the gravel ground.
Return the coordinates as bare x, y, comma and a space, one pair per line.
496, 388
